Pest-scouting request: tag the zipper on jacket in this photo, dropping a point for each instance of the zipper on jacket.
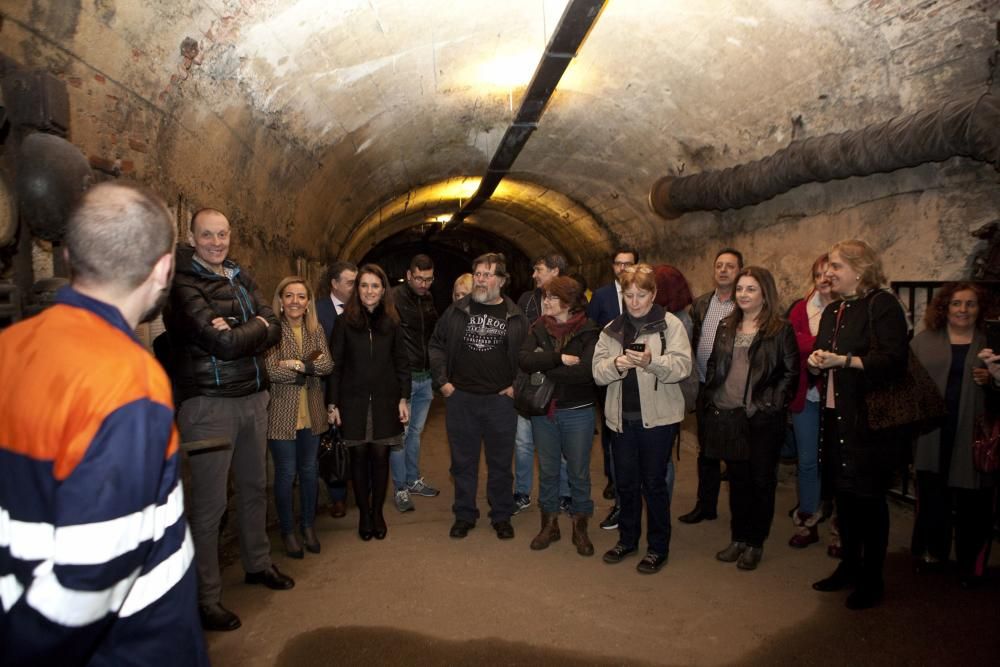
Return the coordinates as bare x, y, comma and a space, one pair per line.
215, 369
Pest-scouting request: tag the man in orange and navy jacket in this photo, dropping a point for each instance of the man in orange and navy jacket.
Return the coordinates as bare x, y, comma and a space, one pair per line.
95, 553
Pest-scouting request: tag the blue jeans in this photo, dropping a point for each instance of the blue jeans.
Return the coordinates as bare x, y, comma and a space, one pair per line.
566, 441
524, 461
806, 426
641, 458
405, 462
291, 456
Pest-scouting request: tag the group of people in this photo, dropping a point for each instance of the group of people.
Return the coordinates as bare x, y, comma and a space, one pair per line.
95, 524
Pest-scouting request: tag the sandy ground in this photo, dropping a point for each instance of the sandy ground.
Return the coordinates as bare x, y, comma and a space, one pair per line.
420, 597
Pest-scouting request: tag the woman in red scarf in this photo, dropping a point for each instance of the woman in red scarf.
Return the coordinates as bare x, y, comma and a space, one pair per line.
561, 345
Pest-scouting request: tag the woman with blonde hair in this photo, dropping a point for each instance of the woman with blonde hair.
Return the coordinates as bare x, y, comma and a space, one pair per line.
463, 286
642, 356
295, 415
861, 345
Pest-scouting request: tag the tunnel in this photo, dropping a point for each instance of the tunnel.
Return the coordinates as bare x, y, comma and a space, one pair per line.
375, 130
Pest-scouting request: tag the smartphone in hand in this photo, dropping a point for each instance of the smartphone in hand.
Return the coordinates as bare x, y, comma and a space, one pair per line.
636, 347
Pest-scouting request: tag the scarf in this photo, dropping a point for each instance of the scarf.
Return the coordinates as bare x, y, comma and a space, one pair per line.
561, 332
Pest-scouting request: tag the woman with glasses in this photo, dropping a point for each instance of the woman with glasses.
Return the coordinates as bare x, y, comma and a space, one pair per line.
641, 356
368, 391
750, 379
295, 418
561, 344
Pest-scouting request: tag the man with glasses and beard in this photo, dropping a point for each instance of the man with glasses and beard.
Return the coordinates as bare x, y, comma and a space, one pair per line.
98, 553
473, 356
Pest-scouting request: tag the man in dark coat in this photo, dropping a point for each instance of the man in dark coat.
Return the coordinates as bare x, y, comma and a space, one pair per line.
219, 326
339, 284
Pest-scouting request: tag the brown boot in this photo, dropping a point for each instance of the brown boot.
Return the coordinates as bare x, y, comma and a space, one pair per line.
549, 532
584, 547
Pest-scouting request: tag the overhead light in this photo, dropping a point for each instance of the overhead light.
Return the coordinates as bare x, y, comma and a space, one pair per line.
508, 71
443, 219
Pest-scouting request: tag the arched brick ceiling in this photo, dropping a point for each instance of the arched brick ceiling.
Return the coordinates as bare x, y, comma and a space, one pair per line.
310, 115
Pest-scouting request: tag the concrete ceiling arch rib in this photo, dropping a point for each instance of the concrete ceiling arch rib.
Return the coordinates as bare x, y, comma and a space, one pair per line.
531, 216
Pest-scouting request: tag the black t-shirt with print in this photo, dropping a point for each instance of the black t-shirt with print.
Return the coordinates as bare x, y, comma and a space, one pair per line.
483, 363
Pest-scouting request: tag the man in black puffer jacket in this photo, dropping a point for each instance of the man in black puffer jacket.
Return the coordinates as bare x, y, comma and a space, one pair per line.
219, 326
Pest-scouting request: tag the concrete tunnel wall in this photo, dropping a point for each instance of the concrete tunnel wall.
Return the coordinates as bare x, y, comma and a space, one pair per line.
234, 117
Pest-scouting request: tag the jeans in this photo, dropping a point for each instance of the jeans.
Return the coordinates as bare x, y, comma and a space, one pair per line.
565, 440
524, 461
291, 456
806, 426
641, 456
487, 422
405, 462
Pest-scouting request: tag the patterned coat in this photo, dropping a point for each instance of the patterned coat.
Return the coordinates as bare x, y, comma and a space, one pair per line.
282, 413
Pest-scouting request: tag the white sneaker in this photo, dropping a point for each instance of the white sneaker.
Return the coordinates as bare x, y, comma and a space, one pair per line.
403, 501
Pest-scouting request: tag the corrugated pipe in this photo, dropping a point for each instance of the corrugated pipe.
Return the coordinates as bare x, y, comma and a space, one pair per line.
967, 128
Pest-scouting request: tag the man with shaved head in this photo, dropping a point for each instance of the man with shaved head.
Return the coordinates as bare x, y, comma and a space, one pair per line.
98, 565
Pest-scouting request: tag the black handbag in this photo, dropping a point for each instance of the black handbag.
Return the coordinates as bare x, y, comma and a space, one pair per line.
533, 393
332, 458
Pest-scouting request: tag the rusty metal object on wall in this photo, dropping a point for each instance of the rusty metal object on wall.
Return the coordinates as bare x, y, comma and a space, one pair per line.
968, 128
52, 175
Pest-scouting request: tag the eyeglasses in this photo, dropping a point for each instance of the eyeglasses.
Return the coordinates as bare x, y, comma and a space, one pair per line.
623, 265
483, 275
422, 280
633, 269
550, 297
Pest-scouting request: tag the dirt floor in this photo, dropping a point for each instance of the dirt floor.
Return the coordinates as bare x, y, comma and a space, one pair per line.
422, 598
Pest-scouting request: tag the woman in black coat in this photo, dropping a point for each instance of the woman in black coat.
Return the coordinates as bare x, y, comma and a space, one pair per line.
861, 345
368, 390
750, 379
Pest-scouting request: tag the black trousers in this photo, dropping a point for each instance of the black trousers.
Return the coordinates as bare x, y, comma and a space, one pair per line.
486, 421
752, 482
864, 536
709, 474
943, 511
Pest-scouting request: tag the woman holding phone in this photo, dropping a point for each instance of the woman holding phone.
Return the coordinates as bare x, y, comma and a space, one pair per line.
641, 356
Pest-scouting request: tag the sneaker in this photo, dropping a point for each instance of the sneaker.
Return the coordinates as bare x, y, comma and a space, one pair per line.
403, 501
419, 488
611, 522
564, 504
522, 501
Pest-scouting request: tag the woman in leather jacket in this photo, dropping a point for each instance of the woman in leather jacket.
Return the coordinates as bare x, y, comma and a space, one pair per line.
750, 380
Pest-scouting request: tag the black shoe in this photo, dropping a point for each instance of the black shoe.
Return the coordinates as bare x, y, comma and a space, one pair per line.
611, 523
271, 578
697, 516
366, 529
505, 531
217, 618
380, 530
461, 528
617, 553
310, 541
732, 553
609, 491
750, 558
864, 597
838, 581
293, 548
652, 563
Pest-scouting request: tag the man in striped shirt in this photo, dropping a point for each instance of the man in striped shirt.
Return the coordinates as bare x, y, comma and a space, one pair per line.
95, 553
706, 313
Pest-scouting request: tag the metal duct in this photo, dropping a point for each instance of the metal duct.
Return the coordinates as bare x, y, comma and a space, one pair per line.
967, 128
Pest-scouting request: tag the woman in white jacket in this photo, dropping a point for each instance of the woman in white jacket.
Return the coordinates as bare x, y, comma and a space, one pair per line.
641, 357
